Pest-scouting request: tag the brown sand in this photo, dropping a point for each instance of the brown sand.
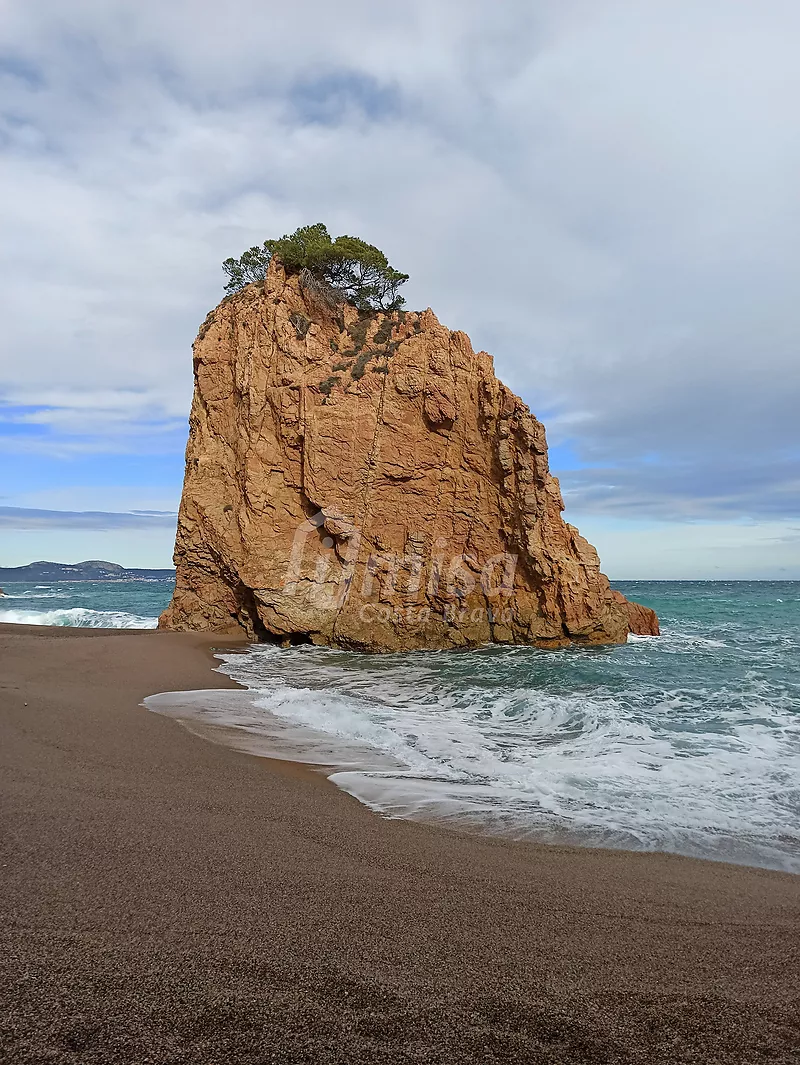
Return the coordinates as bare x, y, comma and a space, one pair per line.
169, 900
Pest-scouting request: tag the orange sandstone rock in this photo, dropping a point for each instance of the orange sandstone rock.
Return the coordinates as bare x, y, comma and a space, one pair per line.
641, 619
367, 482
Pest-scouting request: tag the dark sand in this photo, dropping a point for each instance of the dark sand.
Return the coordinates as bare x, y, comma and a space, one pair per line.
169, 900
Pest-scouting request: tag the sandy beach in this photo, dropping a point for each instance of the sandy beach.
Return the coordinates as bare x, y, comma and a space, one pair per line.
169, 900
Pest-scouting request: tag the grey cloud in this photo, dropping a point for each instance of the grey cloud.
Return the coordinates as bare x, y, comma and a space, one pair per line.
687, 491
603, 195
28, 519
330, 100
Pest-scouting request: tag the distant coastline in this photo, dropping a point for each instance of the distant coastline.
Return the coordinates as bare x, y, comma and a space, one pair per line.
92, 570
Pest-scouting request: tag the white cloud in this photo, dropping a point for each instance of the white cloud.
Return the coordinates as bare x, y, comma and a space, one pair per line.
603, 195
24, 519
128, 498
644, 550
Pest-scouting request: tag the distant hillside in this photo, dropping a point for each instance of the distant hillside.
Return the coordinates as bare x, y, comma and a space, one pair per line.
47, 572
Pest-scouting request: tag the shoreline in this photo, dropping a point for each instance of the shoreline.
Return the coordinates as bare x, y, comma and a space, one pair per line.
474, 826
171, 898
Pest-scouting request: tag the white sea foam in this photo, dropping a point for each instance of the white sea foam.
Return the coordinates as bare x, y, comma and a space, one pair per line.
35, 595
79, 617
532, 744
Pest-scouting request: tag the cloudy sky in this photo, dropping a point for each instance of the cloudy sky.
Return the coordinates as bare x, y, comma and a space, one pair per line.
603, 194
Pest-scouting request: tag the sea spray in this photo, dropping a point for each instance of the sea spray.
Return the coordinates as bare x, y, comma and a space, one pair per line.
78, 617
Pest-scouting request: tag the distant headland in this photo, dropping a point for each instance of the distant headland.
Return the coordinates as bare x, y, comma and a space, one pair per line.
93, 570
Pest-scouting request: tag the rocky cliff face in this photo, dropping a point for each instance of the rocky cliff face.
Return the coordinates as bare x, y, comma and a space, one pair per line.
367, 482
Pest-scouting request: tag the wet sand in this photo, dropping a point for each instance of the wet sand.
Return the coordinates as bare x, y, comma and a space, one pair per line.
165, 899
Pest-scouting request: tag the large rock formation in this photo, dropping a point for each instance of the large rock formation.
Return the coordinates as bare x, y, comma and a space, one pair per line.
367, 482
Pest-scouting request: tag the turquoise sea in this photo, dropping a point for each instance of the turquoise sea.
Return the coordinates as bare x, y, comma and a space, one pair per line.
689, 742
86, 604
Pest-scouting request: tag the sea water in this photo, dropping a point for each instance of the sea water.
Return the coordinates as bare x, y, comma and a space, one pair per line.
688, 742
86, 604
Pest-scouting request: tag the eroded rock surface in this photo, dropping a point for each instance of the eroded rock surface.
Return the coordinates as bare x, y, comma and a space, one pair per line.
367, 482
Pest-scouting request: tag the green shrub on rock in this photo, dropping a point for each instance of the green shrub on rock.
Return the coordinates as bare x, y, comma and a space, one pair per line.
360, 365
384, 332
358, 271
327, 385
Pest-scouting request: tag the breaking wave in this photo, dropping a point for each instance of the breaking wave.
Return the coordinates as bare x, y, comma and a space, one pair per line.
79, 617
688, 743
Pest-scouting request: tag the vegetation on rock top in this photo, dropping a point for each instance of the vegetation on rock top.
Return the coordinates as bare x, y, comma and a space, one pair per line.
358, 271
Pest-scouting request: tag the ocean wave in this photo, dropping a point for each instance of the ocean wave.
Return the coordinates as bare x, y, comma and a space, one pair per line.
593, 749
79, 617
